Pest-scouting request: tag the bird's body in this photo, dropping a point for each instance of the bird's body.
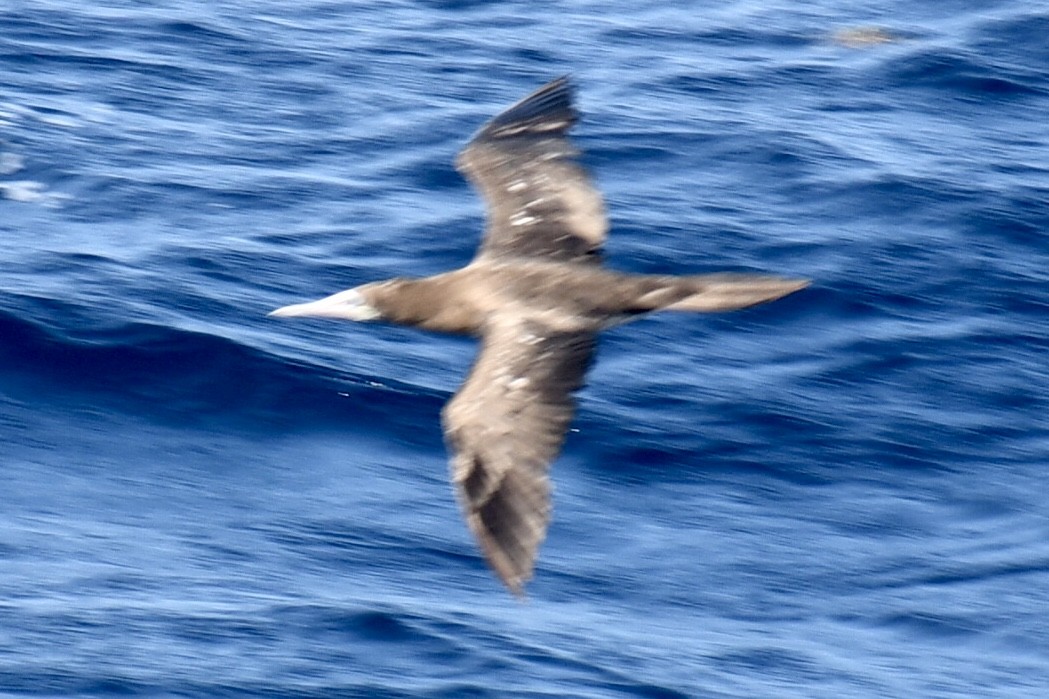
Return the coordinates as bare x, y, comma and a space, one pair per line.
562, 297
537, 296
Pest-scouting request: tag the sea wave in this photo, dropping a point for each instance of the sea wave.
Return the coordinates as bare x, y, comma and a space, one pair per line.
174, 375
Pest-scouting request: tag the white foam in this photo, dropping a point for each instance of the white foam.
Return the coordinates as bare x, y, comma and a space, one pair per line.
10, 163
29, 191
24, 190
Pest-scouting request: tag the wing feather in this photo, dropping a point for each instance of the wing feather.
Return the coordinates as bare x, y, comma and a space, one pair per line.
503, 428
540, 200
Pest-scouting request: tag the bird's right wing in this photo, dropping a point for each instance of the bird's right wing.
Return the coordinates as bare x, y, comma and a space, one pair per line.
503, 428
540, 201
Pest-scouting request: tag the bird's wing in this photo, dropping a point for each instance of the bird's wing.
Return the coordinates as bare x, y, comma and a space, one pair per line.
540, 201
503, 428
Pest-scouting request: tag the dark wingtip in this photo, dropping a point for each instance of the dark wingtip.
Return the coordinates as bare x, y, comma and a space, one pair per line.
547, 110
515, 586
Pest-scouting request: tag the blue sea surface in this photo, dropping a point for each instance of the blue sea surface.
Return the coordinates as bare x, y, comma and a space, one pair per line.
840, 494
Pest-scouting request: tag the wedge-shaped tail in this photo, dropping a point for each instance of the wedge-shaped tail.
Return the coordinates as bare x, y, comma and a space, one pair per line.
731, 292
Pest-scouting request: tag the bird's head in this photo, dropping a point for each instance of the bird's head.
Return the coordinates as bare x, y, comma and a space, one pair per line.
352, 304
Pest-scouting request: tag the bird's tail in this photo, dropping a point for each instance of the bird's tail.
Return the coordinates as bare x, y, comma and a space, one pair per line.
729, 292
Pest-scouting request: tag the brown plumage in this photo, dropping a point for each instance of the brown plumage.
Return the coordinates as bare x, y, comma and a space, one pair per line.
537, 296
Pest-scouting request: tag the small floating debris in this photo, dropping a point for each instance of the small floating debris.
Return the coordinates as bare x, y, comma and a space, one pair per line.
863, 37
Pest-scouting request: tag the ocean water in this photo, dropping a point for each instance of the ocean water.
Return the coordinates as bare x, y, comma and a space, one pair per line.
841, 494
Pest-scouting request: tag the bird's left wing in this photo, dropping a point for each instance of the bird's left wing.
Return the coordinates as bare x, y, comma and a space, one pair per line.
503, 428
541, 203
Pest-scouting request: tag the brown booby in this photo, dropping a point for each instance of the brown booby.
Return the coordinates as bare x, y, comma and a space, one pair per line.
537, 296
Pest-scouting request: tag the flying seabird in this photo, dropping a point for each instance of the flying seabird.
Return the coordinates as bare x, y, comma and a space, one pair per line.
537, 296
